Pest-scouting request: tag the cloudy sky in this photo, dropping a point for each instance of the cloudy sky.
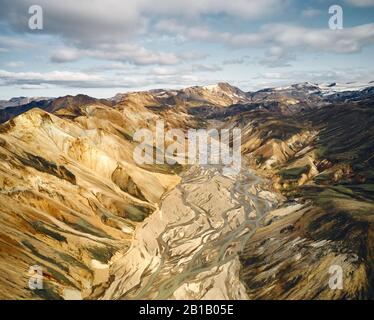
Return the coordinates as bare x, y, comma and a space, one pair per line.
102, 47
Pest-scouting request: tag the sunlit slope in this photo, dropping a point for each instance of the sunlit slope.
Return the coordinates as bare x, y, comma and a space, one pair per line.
70, 196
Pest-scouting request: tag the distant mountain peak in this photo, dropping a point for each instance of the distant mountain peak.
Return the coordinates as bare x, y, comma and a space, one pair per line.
20, 101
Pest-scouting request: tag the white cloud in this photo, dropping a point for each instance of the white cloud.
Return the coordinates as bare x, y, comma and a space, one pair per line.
347, 40
187, 70
43, 86
139, 78
201, 33
248, 9
125, 52
203, 68
361, 3
54, 77
277, 57
281, 78
233, 61
15, 64
311, 13
8, 42
88, 22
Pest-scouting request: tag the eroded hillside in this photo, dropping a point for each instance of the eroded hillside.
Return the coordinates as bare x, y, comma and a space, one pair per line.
321, 159
71, 196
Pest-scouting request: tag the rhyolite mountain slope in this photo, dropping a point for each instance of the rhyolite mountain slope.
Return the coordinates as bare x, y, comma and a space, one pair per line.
321, 160
72, 197
221, 94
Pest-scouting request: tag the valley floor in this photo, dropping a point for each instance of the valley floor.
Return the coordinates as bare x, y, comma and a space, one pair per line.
189, 248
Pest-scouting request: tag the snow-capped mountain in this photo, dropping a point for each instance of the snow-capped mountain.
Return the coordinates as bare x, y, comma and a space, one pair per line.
312, 94
20, 101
